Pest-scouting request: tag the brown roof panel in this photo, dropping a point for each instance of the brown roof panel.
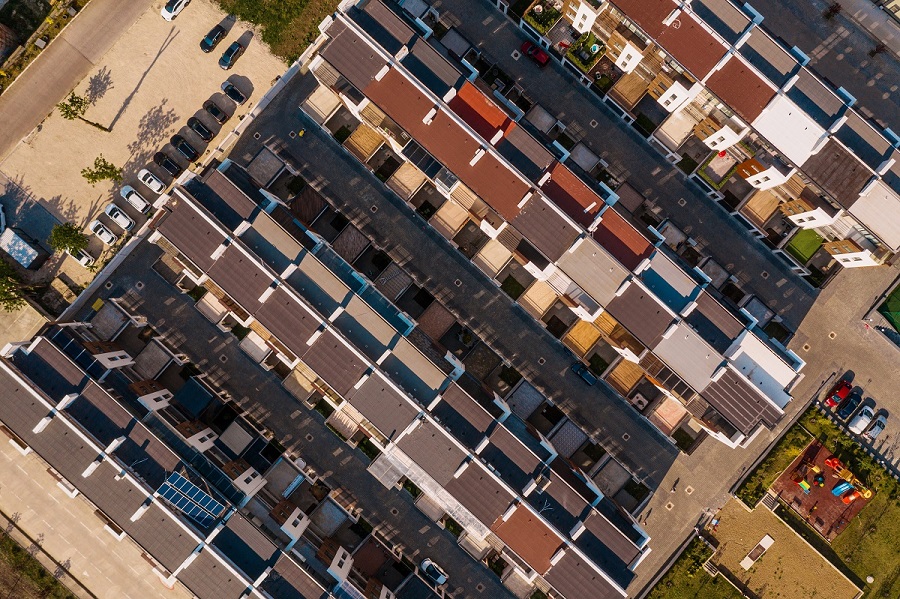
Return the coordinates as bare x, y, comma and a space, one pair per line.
545, 228
573, 576
649, 14
628, 245
292, 582
641, 313
476, 109
289, 321
464, 417
335, 363
383, 406
448, 142
691, 45
529, 538
347, 52
839, 172
229, 193
240, 277
572, 195
741, 88
194, 236
607, 547
433, 451
740, 403
480, 492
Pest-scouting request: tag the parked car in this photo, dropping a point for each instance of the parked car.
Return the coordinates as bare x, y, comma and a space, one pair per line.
200, 129
82, 257
102, 232
230, 56
151, 181
535, 53
234, 93
212, 39
838, 394
433, 572
586, 375
2, 219
849, 406
169, 165
184, 148
173, 8
134, 199
876, 428
215, 112
861, 420
117, 216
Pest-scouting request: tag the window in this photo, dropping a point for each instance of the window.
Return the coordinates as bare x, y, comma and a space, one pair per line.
295, 523
628, 58
857, 259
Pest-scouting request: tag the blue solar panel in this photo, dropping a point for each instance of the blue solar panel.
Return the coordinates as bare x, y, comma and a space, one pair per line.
190, 499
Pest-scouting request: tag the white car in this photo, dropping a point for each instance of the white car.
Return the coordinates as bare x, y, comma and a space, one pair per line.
862, 420
100, 230
151, 181
120, 218
433, 572
82, 257
135, 199
876, 428
173, 8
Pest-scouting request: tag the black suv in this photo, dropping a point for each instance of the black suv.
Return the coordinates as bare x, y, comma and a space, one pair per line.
184, 148
200, 129
212, 39
169, 165
215, 112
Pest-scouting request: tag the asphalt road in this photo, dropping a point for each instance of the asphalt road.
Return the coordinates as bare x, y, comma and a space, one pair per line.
717, 233
838, 51
65, 62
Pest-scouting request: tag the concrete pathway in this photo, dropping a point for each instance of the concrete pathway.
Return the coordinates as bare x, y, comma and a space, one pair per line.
62, 65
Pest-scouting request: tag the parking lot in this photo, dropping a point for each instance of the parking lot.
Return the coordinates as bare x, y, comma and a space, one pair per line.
152, 80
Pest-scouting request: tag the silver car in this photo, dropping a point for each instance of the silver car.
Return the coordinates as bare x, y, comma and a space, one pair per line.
117, 216
102, 232
134, 199
151, 181
862, 420
82, 257
876, 428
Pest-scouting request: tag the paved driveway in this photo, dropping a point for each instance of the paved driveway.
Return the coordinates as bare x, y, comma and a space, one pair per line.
62, 65
718, 233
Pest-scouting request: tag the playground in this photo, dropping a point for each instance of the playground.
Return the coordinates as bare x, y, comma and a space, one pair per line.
822, 490
765, 558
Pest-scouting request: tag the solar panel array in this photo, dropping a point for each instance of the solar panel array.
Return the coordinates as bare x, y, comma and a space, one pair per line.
190, 499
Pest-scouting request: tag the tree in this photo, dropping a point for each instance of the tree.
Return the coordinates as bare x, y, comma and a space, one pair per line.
103, 170
67, 237
74, 107
11, 289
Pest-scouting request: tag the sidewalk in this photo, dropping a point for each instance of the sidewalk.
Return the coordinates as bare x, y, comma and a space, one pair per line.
876, 21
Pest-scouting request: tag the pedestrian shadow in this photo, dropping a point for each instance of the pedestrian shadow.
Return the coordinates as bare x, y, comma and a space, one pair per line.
173, 33
98, 85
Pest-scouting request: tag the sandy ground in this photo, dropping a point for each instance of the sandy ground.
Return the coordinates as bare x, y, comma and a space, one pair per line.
150, 82
20, 325
789, 568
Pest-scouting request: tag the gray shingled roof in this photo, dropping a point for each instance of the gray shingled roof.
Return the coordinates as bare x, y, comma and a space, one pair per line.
573, 576
351, 56
641, 313
288, 320
241, 278
480, 493
383, 406
433, 451
191, 233
545, 228
208, 578
335, 363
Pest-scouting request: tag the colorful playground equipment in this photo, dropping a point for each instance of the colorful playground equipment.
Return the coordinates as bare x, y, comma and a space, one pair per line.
841, 488
850, 480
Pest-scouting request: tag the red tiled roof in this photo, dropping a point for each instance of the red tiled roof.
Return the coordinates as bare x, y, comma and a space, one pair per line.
649, 14
691, 45
622, 240
448, 142
569, 193
741, 89
479, 111
531, 539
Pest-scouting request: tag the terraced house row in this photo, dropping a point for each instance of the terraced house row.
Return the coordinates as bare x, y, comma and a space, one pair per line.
775, 142
510, 205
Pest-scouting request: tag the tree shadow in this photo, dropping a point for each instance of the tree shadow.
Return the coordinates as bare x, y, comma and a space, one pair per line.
173, 33
154, 129
98, 85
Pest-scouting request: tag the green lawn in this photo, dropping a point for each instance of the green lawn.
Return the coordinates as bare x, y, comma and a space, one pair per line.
288, 26
890, 309
687, 579
512, 287
804, 244
785, 451
23, 577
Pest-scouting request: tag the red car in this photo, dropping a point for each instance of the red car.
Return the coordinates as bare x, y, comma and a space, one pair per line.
535, 53
838, 394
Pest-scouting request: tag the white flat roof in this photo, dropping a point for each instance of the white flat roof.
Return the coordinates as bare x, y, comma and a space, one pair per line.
763, 367
789, 129
879, 210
